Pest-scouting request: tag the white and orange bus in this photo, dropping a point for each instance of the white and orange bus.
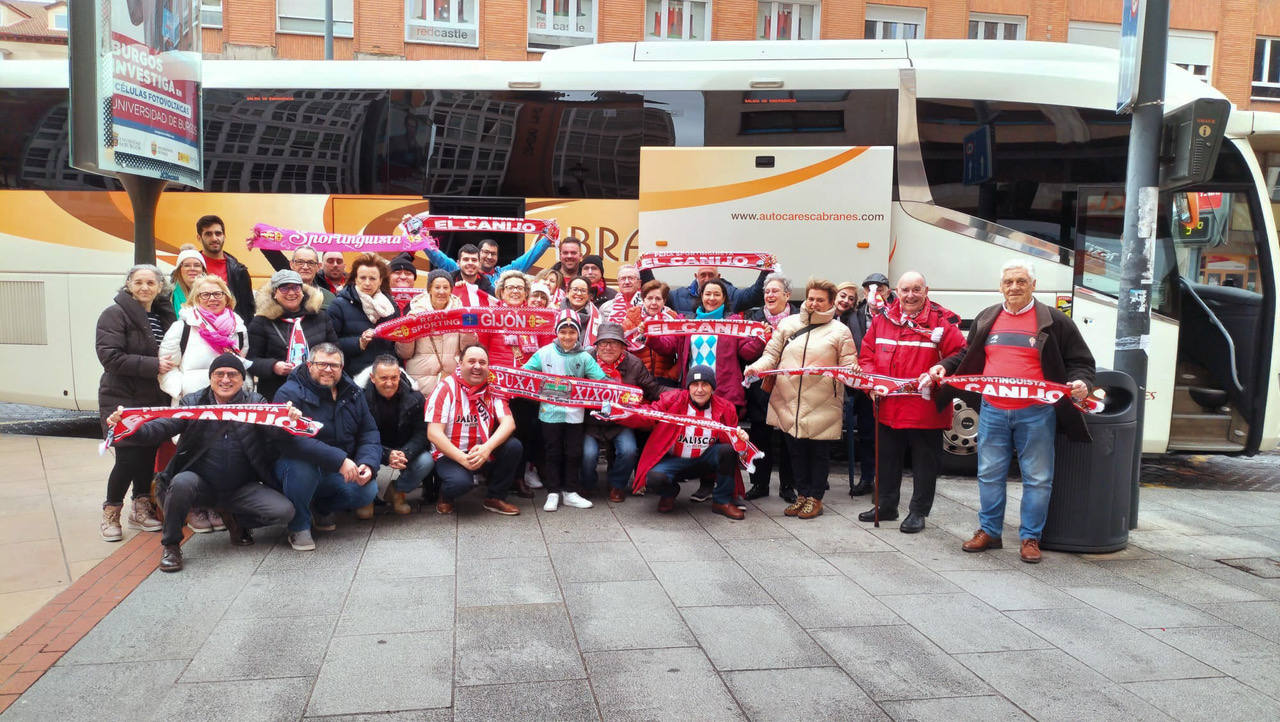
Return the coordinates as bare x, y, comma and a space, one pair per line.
853, 150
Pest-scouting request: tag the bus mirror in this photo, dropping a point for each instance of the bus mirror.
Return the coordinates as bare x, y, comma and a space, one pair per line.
1191, 139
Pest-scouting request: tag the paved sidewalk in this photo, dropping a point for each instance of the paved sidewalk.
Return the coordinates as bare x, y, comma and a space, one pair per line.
620, 613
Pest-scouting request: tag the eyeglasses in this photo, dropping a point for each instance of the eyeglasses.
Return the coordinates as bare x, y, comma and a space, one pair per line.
305, 264
210, 295
510, 287
289, 288
326, 365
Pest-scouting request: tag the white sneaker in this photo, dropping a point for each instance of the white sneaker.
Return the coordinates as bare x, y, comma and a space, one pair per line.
553, 502
531, 479
571, 498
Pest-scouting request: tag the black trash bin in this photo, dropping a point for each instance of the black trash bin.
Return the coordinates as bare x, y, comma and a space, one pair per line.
1089, 505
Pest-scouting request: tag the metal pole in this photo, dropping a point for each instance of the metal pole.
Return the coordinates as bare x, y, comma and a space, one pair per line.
328, 29
1142, 192
144, 196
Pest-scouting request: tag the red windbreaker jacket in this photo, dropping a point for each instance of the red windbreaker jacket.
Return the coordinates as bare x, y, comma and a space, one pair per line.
906, 348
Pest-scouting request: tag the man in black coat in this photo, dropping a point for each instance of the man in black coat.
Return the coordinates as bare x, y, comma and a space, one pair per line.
218, 464
611, 353
398, 411
211, 232
332, 470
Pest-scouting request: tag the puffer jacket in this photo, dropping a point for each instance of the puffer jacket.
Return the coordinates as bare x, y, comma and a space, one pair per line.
192, 372
757, 395
807, 407
431, 358
349, 322
129, 355
348, 430
904, 349
269, 333
661, 365
552, 359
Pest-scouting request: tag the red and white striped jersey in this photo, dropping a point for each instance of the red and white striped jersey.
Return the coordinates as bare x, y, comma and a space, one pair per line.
467, 422
471, 295
693, 441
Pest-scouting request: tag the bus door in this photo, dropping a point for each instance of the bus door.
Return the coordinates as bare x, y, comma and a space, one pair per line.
1098, 233
1210, 324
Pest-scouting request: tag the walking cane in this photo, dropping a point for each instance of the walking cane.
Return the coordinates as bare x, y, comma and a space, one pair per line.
875, 484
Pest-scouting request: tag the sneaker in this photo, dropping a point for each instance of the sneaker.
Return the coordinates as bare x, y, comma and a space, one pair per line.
812, 507
703, 493
499, 506
110, 526
531, 478
198, 520
553, 502
324, 522
301, 541
796, 506
143, 515
215, 520
575, 500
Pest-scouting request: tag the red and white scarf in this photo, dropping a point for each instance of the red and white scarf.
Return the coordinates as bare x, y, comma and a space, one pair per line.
655, 326
747, 452
270, 238
562, 390
404, 296
668, 259
415, 225
471, 295
276, 415
491, 319
1043, 392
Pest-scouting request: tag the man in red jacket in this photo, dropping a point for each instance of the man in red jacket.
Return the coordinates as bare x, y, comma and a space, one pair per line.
911, 337
675, 453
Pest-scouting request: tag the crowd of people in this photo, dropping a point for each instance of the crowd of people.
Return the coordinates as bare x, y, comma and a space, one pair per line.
421, 419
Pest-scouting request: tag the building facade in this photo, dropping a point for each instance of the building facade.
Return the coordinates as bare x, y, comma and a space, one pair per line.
1233, 44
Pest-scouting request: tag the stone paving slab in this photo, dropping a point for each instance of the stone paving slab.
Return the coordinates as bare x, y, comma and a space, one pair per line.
617, 612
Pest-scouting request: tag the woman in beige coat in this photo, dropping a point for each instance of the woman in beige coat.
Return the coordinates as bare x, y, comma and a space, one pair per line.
431, 358
808, 409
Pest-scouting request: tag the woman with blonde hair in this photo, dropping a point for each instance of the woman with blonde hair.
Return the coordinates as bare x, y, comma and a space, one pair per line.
188, 267
361, 305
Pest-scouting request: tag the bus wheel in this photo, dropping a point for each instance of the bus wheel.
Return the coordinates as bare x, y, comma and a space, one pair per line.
960, 442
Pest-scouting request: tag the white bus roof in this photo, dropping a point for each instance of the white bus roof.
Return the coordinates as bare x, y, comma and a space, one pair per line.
1024, 71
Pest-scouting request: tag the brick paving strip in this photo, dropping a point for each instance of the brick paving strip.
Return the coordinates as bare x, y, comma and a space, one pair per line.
36, 644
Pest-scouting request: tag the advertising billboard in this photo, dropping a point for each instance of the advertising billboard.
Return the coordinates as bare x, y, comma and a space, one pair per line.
135, 89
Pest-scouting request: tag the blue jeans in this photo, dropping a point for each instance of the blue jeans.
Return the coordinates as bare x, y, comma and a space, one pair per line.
720, 459
1000, 431
624, 460
305, 484
418, 469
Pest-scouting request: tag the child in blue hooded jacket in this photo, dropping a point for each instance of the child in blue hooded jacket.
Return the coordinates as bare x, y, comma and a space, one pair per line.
562, 426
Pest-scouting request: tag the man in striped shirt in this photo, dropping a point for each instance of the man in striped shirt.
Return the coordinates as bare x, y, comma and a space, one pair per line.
470, 429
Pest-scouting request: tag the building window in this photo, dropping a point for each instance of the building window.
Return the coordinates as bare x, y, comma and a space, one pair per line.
442, 22
885, 22
1266, 69
1188, 49
997, 27
211, 13
58, 19
677, 20
561, 23
787, 21
306, 17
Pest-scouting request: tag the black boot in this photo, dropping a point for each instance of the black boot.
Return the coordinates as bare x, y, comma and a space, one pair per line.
862, 488
757, 491
241, 536
787, 493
